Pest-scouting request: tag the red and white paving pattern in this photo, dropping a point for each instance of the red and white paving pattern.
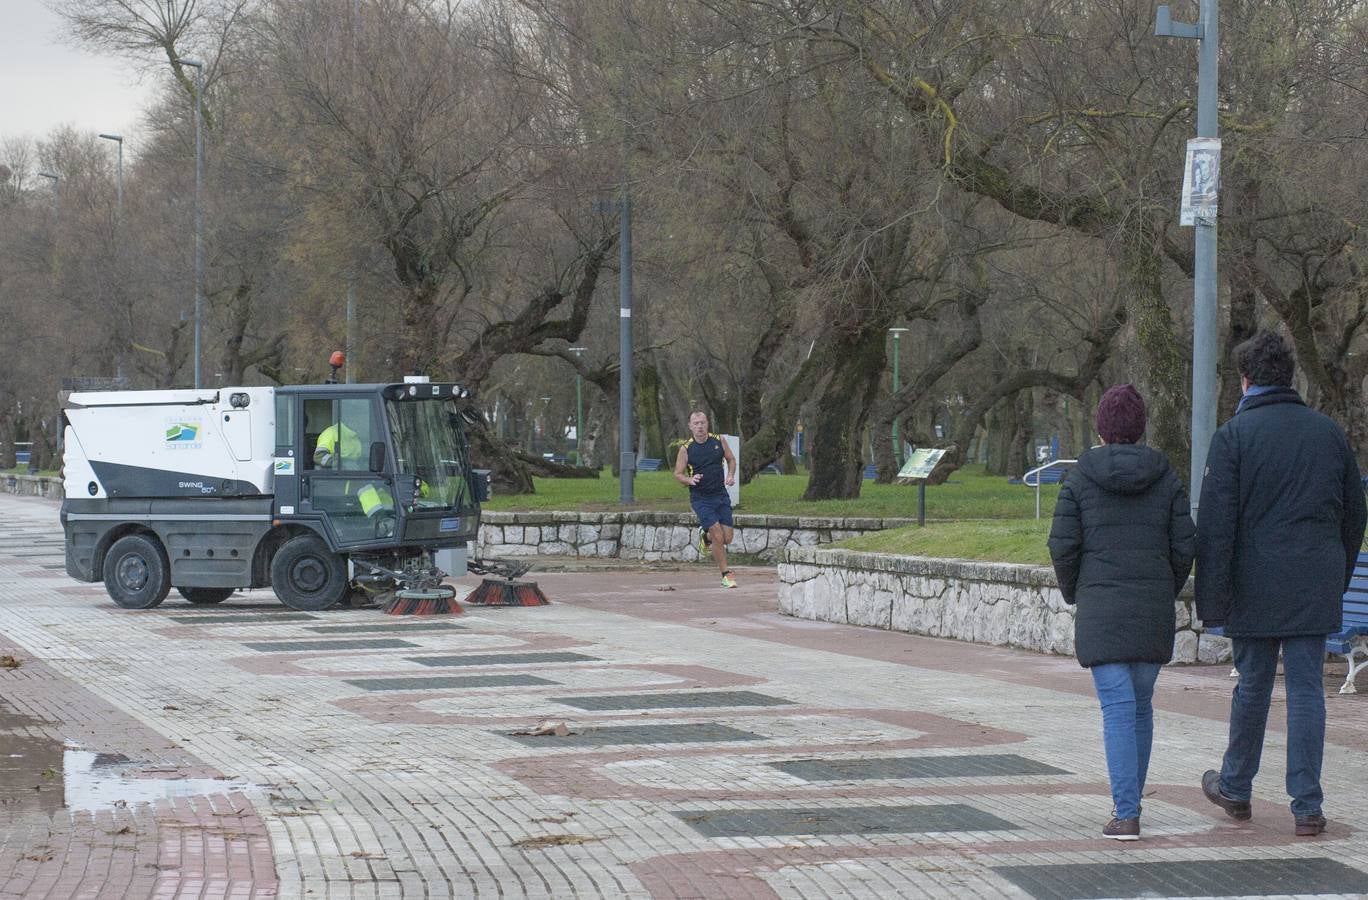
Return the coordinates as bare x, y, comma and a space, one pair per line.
309, 786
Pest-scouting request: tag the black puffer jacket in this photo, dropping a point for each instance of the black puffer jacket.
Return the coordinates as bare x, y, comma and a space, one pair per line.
1282, 517
1122, 542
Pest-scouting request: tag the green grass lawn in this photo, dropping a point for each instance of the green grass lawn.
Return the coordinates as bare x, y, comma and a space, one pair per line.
970, 495
1011, 540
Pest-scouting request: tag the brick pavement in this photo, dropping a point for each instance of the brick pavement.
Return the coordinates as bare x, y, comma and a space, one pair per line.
342, 755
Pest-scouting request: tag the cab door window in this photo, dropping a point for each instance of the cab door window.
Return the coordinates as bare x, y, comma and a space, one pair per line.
338, 435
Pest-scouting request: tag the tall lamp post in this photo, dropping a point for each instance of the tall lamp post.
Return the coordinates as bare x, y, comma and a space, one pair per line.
54, 178
626, 455
118, 227
897, 356
579, 407
118, 178
199, 217
1206, 33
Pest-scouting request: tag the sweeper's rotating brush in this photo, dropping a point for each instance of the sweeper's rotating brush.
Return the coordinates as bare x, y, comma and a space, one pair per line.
507, 592
427, 601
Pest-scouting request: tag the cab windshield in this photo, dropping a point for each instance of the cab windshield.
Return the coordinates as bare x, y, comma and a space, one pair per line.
429, 443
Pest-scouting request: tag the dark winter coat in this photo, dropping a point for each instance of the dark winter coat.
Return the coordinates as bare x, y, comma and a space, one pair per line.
1282, 518
1122, 543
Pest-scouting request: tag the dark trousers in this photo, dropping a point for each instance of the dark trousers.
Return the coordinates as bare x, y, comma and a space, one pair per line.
1257, 662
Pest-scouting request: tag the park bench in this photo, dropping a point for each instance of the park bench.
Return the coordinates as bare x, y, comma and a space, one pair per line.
871, 472
771, 469
648, 464
1049, 476
1352, 639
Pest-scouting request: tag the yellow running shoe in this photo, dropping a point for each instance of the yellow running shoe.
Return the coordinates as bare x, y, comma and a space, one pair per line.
727, 580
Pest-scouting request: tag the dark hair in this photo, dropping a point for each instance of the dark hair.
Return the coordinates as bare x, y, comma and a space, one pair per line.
1121, 415
1266, 359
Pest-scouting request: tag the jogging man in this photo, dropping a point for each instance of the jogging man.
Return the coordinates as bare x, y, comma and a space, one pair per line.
699, 465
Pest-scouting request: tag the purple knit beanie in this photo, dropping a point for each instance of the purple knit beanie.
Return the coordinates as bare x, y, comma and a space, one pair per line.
1121, 415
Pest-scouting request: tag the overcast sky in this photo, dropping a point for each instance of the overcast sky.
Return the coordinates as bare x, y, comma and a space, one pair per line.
45, 83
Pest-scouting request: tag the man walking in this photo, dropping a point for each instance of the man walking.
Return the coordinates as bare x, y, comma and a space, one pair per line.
699, 465
1279, 527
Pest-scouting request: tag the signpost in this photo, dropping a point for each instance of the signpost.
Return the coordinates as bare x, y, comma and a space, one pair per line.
917, 469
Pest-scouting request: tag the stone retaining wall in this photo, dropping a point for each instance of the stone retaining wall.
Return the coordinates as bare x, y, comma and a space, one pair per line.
32, 485
655, 536
988, 603
648, 536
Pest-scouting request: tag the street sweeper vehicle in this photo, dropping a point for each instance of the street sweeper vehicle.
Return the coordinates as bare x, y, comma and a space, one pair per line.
322, 492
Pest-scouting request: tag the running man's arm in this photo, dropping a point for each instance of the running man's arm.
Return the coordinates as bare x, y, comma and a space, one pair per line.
681, 464
731, 463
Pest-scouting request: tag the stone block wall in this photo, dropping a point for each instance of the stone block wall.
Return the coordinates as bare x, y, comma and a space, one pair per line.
32, 485
988, 603
655, 536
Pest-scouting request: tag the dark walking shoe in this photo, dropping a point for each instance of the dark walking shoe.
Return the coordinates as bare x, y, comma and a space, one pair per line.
1122, 830
1211, 786
1310, 826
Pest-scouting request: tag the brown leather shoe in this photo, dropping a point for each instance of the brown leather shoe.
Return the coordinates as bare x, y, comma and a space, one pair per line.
1122, 829
1211, 786
1310, 826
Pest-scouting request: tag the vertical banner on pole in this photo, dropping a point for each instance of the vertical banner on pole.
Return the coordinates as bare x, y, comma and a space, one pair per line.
1201, 182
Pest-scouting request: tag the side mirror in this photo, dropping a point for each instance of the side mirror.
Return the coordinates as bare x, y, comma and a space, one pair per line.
377, 456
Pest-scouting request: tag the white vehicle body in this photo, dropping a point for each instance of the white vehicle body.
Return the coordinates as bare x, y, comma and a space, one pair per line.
213, 490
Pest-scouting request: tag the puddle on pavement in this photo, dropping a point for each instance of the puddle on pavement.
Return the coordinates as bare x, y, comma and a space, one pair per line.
41, 774
30, 765
91, 785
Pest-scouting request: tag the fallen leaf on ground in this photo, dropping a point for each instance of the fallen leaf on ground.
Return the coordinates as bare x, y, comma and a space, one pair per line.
554, 840
362, 854
665, 587
10, 662
548, 728
555, 820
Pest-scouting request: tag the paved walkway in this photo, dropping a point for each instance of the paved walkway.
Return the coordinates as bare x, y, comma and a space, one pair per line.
717, 750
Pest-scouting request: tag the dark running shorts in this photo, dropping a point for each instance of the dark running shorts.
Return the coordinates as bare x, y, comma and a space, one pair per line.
711, 509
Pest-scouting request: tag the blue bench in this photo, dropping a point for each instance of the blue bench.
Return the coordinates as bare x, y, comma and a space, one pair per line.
1352, 639
871, 472
1049, 476
771, 469
647, 464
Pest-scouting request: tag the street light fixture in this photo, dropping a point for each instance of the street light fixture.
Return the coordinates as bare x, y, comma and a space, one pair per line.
118, 220
579, 406
54, 178
1204, 336
199, 219
118, 177
897, 432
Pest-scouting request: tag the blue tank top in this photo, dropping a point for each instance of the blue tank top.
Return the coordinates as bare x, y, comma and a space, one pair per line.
706, 459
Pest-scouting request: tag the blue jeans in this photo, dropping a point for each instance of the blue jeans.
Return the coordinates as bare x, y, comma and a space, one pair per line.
1126, 691
1257, 661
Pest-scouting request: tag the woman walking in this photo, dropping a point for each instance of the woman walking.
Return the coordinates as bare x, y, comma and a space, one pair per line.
1122, 542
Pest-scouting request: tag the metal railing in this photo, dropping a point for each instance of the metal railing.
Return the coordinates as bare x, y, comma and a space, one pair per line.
1026, 479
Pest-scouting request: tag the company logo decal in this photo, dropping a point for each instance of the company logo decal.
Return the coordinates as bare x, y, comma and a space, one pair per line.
184, 434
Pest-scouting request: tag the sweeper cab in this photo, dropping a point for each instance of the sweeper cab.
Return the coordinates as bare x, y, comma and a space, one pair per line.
323, 492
